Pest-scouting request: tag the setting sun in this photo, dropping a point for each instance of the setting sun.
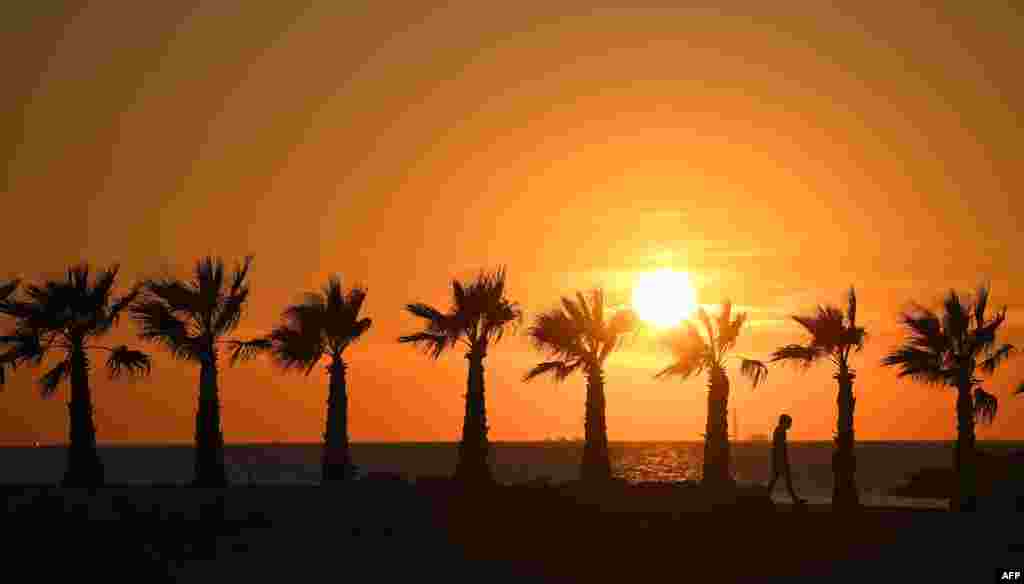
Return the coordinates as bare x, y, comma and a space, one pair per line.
664, 297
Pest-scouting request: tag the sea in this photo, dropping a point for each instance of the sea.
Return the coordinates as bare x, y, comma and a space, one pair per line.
881, 466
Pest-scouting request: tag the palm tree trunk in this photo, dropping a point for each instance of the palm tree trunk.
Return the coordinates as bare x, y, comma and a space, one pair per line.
84, 466
472, 466
337, 464
209, 462
844, 462
965, 460
596, 465
717, 472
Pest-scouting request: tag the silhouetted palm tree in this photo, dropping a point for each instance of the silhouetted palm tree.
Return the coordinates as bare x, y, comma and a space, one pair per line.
191, 319
578, 336
479, 316
695, 352
834, 337
67, 316
947, 350
323, 325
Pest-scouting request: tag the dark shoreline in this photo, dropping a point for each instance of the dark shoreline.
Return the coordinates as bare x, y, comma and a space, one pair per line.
436, 529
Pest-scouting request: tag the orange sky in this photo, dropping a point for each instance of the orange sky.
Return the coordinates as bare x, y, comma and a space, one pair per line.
777, 153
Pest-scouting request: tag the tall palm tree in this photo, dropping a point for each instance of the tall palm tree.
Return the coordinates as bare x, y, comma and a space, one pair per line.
479, 315
191, 319
67, 316
322, 326
947, 350
578, 336
834, 336
694, 352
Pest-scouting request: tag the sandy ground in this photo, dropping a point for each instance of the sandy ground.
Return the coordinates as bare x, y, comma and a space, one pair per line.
391, 531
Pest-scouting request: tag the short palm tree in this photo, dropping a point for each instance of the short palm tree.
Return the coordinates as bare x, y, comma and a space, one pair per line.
479, 315
191, 319
581, 337
947, 350
694, 352
322, 326
834, 336
67, 316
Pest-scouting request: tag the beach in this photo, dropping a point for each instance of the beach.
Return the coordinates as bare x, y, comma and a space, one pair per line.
389, 529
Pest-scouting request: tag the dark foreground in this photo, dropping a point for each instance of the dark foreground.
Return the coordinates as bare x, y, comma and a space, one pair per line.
389, 530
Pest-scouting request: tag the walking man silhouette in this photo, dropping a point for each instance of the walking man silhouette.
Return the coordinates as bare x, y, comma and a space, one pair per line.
780, 458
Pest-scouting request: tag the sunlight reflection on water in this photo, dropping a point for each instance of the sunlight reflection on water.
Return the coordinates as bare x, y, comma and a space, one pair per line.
880, 465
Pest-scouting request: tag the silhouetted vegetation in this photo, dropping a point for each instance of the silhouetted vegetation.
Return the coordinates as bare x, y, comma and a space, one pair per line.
479, 315
6, 289
190, 318
581, 337
834, 336
694, 352
66, 317
947, 350
323, 325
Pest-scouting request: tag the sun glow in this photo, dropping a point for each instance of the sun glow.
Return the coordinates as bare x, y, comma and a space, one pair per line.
664, 298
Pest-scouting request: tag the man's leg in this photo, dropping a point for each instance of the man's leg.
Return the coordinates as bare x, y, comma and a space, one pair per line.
771, 484
789, 487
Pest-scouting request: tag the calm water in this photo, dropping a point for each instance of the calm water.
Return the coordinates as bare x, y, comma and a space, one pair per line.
881, 465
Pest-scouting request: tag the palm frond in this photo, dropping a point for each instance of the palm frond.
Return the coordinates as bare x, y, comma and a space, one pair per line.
982, 338
432, 344
584, 309
558, 334
353, 303
230, 304
725, 317
208, 283
160, 325
238, 283
560, 370
955, 317
798, 355
102, 288
755, 370
359, 329
683, 369
128, 361
121, 304
180, 298
990, 365
460, 299
851, 308
690, 351
8, 288
49, 382
980, 302
728, 336
229, 314
295, 347
575, 312
706, 320
926, 330
242, 351
24, 347
985, 406
434, 317
918, 364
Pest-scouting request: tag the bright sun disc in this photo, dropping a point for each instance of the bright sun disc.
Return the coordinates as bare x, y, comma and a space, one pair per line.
665, 297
